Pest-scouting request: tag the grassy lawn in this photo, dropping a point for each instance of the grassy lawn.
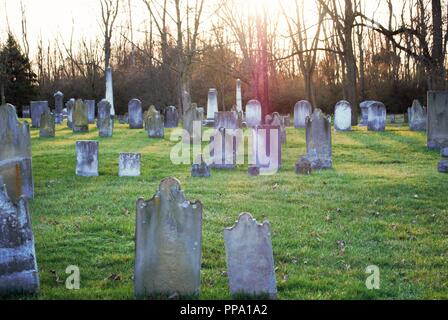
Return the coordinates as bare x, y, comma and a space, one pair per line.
384, 199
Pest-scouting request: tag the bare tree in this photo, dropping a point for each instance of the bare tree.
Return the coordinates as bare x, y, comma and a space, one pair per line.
109, 13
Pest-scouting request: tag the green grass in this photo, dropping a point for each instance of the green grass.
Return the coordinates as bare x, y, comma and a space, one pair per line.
384, 199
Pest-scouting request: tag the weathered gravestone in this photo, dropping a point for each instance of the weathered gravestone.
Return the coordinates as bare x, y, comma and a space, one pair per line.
135, 112
87, 158
277, 120
18, 265
267, 149
26, 112
70, 105
58, 102
155, 125
343, 116
37, 108
304, 166
437, 119
104, 122
129, 164
253, 114
239, 97
110, 91
200, 168
377, 117
364, 106
318, 141
227, 120
147, 114
212, 104
417, 117
168, 243
80, 117
171, 117
90, 110
250, 260
223, 148
302, 110
47, 125
15, 154
192, 122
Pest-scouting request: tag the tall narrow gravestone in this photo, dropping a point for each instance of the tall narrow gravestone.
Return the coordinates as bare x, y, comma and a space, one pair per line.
437, 119
90, 110
129, 164
70, 105
37, 108
171, 117
135, 112
47, 125
168, 243
223, 148
343, 116
155, 125
104, 122
110, 91
266, 149
250, 260
15, 154
212, 104
253, 114
80, 117
318, 141
417, 117
239, 97
377, 117
87, 158
18, 265
302, 110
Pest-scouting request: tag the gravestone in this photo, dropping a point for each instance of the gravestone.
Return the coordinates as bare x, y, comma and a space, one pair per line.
104, 122
18, 266
227, 120
192, 122
135, 112
364, 106
250, 260
343, 116
123, 119
277, 120
155, 125
377, 117
212, 104
171, 117
443, 166
444, 152
318, 141
437, 119
37, 108
110, 91
70, 105
253, 114
302, 110
200, 168
223, 148
80, 117
304, 166
47, 125
90, 110
168, 243
287, 120
58, 102
393, 119
15, 154
417, 117
26, 112
267, 149
87, 158
239, 97
129, 164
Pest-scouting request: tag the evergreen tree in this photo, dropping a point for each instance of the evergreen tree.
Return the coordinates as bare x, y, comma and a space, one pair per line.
17, 80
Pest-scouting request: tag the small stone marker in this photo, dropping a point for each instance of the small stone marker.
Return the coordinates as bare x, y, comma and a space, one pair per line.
104, 122
443, 166
253, 171
417, 117
80, 117
253, 114
18, 265
437, 119
129, 164
302, 110
304, 167
135, 112
343, 116
250, 260
37, 108
90, 110
200, 168
318, 141
171, 117
47, 125
444, 152
87, 158
168, 243
377, 117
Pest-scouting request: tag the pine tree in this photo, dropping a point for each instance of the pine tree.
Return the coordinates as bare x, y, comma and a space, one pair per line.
17, 80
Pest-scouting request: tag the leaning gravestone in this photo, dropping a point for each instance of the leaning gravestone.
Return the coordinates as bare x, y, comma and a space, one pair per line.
253, 114
168, 243
80, 117
87, 158
18, 265
437, 119
37, 108
200, 168
227, 120
104, 122
343, 116
129, 164
302, 110
70, 105
90, 110
15, 154
223, 148
377, 117
171, 117
417, 117
250, 260
318, 141
266, 149
155, 125
135, 112
47, 125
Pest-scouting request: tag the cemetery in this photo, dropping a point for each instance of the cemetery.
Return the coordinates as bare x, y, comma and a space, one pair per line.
222, 193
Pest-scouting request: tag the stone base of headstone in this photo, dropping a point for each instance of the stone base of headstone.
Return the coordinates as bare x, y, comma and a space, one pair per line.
200, 169
129, 164
304, 167
443, 166
253, 171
